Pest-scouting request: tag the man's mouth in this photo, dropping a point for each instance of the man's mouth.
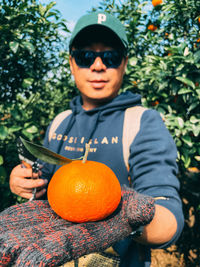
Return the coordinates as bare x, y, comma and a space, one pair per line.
98, 84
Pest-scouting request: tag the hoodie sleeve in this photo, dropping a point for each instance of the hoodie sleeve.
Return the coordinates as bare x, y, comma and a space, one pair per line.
153, 166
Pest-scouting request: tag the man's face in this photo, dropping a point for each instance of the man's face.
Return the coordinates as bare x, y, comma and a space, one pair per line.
97, 84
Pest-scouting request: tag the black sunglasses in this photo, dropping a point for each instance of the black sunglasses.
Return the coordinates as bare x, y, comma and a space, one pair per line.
85, 58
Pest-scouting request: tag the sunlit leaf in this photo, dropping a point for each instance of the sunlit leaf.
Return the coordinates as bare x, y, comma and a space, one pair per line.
193, 119
133, 61
1, 160
42, 9
186, 51
33, 129
184, 91
186, 81
14, 46
29, 46
27, 82
186, 161
180, 122
51, 4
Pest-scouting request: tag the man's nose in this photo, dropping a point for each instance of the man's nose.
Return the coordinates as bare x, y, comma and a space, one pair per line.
98, 65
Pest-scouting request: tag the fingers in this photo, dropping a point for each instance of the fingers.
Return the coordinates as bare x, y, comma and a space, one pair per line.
62, 244
28, 194
6, 254
21, 186
40, 193
30, 239
52, 250
20, 171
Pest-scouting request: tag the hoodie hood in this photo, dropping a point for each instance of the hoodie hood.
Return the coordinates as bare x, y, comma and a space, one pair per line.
121, 102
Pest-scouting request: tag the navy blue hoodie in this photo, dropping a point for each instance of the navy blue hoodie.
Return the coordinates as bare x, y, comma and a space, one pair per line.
152, 160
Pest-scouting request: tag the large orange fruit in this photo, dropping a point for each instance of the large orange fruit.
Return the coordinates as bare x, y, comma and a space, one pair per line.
156, 2
81, 192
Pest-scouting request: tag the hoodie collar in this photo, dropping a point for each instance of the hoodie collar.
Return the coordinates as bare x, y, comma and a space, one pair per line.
121, 102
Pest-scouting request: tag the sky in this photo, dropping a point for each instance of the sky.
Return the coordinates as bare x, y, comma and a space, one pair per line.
72, 10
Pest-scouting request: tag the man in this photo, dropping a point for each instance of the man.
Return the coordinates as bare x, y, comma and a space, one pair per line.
98, 60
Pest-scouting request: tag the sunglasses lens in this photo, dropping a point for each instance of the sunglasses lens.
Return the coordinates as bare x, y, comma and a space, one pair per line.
112, 59
84, 59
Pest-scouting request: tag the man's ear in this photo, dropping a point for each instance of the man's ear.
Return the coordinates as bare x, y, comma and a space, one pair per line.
125, 63
71, 65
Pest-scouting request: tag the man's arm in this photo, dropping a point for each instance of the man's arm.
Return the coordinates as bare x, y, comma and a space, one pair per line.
153, 168
161, 229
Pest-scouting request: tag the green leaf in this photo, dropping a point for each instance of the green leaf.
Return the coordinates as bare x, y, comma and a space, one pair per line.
45, 154
13, 129
194, 105
133, 61
33, 129
180, 122
186, 52
14, 46
184, 91
29, 46
196, 130
186, 81
42, 9
27, 82
1, 160
3, 132
51, 4
193, 119
186, 139
186, 161
178, 142
197, 56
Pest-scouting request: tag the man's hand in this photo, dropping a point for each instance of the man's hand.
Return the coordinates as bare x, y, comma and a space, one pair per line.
21, 186
53, 241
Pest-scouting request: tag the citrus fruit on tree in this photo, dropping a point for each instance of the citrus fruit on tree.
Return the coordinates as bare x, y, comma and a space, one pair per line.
152, 27
156, 2
81, 192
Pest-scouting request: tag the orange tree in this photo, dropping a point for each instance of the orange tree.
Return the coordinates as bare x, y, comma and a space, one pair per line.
164, 67
33, 77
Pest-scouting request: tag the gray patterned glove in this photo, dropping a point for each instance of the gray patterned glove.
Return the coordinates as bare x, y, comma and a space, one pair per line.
58, 241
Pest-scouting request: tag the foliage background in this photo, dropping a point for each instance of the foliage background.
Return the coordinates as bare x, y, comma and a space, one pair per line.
164, 66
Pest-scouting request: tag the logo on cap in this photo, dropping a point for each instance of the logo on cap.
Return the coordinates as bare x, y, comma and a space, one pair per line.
101, 18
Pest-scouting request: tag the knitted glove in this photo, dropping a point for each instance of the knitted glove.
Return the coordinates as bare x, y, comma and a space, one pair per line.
20, 225
65, 241
27, 214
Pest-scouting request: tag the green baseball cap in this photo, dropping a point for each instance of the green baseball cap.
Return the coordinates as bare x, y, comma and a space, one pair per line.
100, 19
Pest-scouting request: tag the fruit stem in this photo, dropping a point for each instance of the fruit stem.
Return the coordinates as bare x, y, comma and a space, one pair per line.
87, 148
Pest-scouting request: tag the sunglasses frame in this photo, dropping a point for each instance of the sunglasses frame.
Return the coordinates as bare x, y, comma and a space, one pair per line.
80, 54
